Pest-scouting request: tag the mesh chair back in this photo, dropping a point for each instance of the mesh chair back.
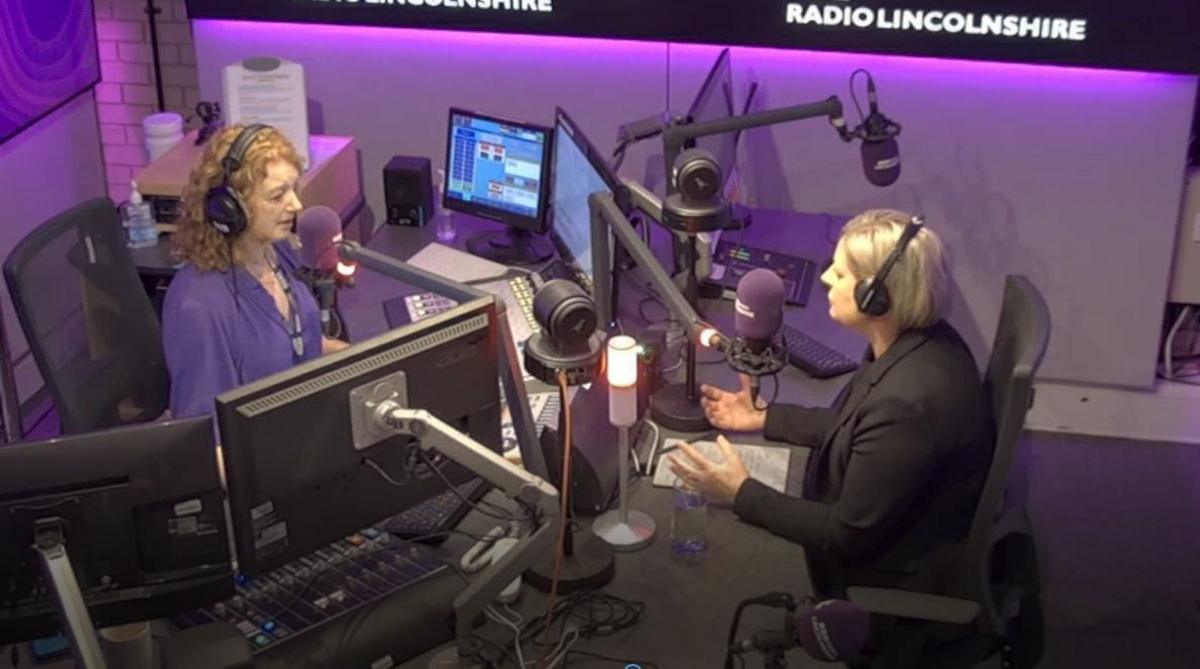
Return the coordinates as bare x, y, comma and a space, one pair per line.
1021, 338
88, 320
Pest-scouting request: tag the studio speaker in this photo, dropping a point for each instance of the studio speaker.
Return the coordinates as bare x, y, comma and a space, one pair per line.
408, 190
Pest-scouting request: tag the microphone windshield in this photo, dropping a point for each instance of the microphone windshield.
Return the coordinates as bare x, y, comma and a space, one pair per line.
318, 228
759, 306
881, 161
833, 630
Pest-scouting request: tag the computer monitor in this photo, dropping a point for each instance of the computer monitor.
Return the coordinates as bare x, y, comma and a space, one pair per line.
296, 479
139, 511
578, 171
714, 101
498, 169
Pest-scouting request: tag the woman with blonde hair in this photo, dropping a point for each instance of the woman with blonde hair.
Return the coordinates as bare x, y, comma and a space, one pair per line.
237, 310
898, 462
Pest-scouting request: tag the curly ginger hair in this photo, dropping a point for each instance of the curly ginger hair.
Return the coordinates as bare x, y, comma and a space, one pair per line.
197, 242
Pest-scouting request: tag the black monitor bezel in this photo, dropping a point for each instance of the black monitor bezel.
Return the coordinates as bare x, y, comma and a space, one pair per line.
240, 466
538, 225
599, 163
102, 463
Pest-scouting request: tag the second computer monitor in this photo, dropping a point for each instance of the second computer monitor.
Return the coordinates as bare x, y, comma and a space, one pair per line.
579, 170
498, 169
298, 479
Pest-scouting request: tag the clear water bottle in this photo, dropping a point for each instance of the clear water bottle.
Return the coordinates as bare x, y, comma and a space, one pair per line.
689, 522
138, 220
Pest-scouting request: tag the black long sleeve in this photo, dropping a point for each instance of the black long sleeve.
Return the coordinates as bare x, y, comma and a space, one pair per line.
802, 426
891, 461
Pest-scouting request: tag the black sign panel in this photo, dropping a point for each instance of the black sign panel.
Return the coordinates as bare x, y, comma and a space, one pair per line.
1156, 35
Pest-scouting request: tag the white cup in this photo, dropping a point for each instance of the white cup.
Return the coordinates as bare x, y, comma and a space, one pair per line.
128, 646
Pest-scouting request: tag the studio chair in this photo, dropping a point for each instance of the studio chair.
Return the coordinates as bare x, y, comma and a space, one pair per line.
88, 320
994, 605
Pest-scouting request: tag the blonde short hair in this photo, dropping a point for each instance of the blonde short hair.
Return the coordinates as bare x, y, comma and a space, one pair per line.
918, 281
198, 242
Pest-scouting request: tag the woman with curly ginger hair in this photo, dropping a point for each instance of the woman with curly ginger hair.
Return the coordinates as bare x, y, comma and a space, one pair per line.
237, 310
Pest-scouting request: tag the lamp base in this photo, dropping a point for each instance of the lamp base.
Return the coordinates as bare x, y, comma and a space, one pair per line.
634, 534
673, 409
588, 567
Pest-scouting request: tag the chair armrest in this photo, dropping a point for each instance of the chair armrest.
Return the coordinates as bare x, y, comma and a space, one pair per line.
914, 605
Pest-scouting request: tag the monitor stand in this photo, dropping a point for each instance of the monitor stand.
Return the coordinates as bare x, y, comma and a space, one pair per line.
511, 246
48, 542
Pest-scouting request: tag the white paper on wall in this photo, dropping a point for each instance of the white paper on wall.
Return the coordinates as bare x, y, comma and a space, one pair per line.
271, 91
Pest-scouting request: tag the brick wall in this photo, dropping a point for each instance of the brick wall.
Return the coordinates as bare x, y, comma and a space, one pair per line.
126, 93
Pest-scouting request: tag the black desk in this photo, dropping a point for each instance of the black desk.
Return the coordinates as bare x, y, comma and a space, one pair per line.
688, 606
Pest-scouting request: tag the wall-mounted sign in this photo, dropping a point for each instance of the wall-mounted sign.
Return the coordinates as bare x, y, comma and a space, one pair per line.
1157, 35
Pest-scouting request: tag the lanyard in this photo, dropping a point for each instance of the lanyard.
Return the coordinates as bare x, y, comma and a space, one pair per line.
295, 326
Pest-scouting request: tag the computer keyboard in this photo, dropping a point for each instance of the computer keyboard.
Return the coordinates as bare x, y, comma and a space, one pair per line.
275, 608
812, 357
428, 520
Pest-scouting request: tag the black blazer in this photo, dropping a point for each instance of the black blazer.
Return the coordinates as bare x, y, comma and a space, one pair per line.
897, 463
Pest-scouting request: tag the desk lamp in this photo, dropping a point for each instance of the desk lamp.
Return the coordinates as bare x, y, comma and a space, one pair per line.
623, 529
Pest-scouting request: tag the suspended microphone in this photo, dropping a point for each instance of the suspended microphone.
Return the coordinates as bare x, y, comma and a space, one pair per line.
880, 152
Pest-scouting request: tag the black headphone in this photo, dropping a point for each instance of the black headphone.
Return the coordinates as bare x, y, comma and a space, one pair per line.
223, 207
871, 294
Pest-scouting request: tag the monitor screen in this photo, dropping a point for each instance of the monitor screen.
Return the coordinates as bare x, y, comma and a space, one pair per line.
497, 169
579, 170
714, 101
297, 478
140, 512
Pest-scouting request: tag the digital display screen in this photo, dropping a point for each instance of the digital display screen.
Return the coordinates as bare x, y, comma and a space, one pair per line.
496, 168
575, 178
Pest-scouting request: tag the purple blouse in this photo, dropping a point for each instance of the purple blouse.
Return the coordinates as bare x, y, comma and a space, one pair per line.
221, 330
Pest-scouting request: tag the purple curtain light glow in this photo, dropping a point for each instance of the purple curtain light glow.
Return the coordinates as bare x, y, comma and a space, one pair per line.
47, 56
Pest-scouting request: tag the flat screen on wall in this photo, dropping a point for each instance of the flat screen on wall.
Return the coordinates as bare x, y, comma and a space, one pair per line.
48, 55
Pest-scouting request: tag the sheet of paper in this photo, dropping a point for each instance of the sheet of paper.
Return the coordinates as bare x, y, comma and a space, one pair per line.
271, 91
768, 464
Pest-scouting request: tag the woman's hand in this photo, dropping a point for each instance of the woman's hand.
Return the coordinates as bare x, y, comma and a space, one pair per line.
732, 411
331, 345
719, 483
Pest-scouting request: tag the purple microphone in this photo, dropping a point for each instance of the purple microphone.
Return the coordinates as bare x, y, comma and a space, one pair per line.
759, 308
319, 228
833, 630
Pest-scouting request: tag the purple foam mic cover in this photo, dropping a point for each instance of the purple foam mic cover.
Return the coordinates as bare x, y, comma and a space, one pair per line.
759, 308
881, 160
317, 228
833, 630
